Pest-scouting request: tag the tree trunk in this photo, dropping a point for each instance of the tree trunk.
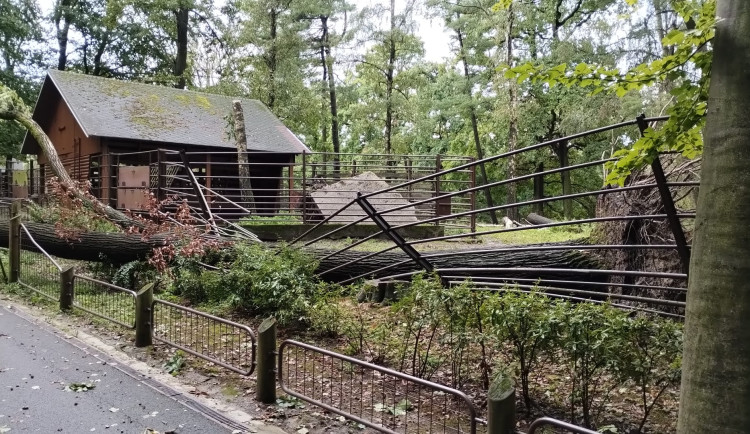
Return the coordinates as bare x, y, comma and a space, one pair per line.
271, 60
512, 196
332, 98
458, 259
536, 219
246, 190
389, 84
475, 128
539, 189
180, 63
119, 248
715, 391
62, 14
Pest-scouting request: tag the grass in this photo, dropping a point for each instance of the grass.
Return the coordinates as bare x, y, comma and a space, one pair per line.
532, 235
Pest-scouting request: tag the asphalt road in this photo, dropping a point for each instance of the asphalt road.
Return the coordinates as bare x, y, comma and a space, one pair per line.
38, 364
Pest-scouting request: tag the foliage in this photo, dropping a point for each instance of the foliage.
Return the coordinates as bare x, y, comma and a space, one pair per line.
175, 363
685, 71
259, 281
527, 321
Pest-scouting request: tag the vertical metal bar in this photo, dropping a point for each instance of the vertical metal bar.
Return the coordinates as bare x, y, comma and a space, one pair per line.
668, 202
473, 205
303, 201
393, 235
197, 189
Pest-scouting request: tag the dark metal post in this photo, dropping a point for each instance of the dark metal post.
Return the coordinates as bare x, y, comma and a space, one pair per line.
669, 208
473, 180
303, 202
501, 406
160, 175
66, 288
265, 386
14, 245
197, 189
393, 235
144, 300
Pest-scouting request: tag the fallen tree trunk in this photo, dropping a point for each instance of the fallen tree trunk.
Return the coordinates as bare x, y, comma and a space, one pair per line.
120, 248
536, 219
117, 248
483, 263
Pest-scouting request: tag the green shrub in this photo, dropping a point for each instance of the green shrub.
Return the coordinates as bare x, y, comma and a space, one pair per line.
280, 282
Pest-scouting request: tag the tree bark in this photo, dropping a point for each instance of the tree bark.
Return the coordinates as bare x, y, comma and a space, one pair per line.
240, 136
180, 63
389, 83
512, 196
119, 248
536, 219
715, 391
460, 259
62, 13
328, 66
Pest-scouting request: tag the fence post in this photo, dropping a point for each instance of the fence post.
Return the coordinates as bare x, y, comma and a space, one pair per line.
14, 244
66, 288
265, 386
143, 300
501, 406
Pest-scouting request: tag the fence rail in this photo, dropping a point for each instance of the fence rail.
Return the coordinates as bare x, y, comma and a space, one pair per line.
380, 398
220, 341
104, 300
550, 422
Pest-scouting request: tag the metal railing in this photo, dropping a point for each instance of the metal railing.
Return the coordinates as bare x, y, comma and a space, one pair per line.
380, 398
220, 341
38, 271
567, 427
104, 300
648, 275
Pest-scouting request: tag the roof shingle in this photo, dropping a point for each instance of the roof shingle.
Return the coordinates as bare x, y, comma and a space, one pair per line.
112, 108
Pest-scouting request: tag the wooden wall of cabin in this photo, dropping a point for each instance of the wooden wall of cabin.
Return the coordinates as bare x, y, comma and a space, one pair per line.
76, 151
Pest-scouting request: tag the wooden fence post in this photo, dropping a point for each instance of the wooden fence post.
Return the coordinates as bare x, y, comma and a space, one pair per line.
501, 406
143, 316
66, 288
14, 244
265, 386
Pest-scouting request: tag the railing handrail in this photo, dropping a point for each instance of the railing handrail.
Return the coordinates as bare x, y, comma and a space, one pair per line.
33, 241
548, 421
472, 410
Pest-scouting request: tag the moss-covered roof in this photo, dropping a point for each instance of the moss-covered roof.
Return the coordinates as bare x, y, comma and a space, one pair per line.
135, 111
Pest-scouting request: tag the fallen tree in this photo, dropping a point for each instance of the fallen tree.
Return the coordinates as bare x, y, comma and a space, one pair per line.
120, 248
12, 108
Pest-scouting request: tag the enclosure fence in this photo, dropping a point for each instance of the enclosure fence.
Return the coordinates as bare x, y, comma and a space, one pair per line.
220, 341
38, 271
105, 300
377, 397
640, 263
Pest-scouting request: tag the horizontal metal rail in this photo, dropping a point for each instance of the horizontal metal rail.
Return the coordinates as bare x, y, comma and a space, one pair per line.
105, 300
380, 398
218, 340
548, 421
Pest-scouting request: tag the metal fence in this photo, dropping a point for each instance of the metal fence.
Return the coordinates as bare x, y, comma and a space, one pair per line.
38, 270
639, 261
380, 398
104, 300
220, 341
290, 189
554, 423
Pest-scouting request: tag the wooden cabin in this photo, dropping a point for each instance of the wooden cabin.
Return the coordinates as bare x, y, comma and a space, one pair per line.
120, 136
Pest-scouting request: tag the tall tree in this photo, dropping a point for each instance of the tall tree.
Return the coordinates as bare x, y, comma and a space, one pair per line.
715, 391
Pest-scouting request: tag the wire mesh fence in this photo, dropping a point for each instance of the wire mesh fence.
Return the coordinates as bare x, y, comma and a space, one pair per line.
386, 400
220, 341
104, 300
38, 271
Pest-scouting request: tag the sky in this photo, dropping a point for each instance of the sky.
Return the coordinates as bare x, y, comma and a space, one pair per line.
431, 31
